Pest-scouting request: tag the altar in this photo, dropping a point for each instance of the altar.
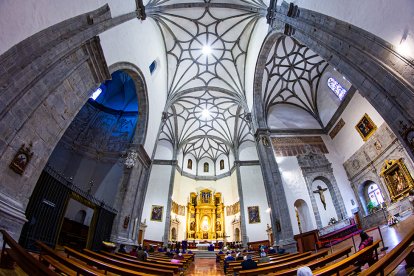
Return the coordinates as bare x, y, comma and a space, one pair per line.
202, 246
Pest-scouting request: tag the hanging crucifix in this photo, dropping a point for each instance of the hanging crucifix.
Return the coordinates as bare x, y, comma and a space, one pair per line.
320, 191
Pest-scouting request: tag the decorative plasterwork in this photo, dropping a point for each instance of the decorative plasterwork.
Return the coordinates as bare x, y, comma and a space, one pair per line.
291, 77
206, 114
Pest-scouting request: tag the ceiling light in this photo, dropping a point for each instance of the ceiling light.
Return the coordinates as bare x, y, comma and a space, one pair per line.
206, 50
205, 113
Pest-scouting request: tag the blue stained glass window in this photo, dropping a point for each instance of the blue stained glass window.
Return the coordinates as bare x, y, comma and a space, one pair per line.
337, 88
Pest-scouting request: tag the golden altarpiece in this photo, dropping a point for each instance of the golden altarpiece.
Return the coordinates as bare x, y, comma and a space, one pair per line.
205, 216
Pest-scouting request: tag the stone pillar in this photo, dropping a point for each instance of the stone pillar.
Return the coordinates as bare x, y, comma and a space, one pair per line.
130, 198
279, 214
242, 210
169, 203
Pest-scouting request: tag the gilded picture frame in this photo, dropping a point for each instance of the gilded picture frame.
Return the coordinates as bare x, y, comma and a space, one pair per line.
365, 127
254, 214
397, 179
156, 213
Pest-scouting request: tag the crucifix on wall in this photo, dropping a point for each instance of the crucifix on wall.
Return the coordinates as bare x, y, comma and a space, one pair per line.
320, 191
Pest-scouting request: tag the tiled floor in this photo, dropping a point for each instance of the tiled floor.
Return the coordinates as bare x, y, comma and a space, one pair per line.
392, 236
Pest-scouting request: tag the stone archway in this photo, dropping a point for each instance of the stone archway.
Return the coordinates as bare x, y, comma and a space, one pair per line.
303, 215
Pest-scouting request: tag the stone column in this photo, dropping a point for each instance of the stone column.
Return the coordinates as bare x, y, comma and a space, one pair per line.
169, 203
279, 215
242, 210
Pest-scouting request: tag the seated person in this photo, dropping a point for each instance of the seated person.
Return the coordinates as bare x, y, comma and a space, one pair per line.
218, 255
365, 242
169, 253
133, 252
228, 258
263, 257
151, 249
272, 250
141, 254
122, 249
239, 256
248, 263
304, 271
179, 256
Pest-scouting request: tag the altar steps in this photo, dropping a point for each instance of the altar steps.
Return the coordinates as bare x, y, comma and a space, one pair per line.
204, 254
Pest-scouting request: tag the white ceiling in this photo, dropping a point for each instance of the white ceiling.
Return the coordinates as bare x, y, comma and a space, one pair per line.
216, 81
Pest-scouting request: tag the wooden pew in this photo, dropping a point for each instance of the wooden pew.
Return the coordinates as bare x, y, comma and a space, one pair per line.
390, 261
137, 265
317, 263
264, 268
51, 257
233, 264
180, 266
346, 265
25, 261
185, 262
109, 267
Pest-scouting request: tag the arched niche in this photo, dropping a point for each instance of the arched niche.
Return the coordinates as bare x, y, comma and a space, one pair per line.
370, 190
322, 192
303, 216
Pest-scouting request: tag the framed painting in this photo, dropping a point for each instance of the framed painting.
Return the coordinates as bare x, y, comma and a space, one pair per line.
254, 215
156, 212
397, 179
366, 127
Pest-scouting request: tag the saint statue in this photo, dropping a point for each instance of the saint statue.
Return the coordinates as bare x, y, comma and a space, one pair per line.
320, 191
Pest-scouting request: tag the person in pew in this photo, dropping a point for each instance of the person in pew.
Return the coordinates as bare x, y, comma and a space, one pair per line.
218, 256
141, 254
272, 250
169, 253
179, 256
151, 249
239, 256
228, 258
263, 257
122, 249
248, 263
365, 241
133, 251
304, 271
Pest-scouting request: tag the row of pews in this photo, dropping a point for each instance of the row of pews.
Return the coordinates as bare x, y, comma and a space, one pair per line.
90, 263
321, 263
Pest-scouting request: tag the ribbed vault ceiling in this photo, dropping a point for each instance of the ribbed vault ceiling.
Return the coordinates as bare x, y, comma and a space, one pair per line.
213, 79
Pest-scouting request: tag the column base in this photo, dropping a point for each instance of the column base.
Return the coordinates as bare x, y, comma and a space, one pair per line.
288, 244
12, 217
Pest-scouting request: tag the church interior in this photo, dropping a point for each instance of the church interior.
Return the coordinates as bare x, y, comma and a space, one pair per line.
203, 126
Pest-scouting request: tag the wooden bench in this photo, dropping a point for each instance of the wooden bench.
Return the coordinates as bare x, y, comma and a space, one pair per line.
51, 257
317, 263
105, 266
25, 261
237, 264
180, 266
346, 265
264, 268
137, 265
390, 261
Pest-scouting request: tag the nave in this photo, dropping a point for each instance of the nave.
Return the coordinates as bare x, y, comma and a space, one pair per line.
392, 236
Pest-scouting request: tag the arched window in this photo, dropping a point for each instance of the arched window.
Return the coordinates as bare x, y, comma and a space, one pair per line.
190, 164
337, 88
206, 169
374, 194
221, 164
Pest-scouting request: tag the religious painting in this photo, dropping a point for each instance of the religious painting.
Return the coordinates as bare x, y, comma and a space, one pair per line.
253, 212
156, 213
397, 179
21, 159
366, 127
190, 164
206, 167
335, 130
